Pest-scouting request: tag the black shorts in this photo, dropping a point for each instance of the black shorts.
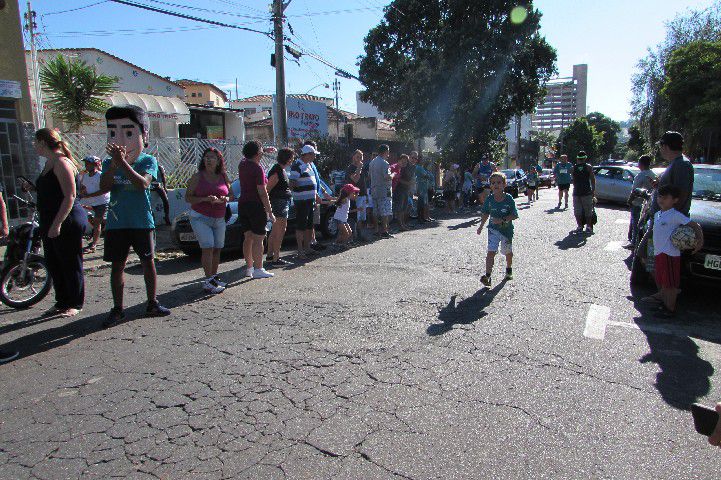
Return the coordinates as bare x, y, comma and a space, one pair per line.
252, 217
531, 187
304, 214
564, 186
118, 243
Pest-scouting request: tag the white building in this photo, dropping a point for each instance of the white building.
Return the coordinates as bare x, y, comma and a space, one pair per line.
365, 109
258, 104
564, 102
159, 96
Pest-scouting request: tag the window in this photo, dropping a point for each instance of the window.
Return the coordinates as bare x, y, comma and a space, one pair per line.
192, 94
200, 94
604, 172
627, 176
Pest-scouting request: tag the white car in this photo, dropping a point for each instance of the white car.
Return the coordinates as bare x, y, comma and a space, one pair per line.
614, 182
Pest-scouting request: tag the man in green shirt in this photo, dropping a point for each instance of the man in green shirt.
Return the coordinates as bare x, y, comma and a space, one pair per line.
563, 171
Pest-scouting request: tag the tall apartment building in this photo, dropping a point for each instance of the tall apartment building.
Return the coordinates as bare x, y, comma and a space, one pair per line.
565, 101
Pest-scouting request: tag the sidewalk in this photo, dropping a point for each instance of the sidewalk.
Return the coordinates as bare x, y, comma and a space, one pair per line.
164, 248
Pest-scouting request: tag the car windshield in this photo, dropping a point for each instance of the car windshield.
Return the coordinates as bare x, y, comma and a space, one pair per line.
707, 183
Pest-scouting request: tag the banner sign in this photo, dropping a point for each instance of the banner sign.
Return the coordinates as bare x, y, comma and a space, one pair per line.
10, 89
305, 118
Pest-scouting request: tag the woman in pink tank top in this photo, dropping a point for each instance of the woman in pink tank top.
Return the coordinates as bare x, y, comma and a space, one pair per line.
208, 193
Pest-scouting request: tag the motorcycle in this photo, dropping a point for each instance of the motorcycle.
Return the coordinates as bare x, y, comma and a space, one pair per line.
642, 262
24, 276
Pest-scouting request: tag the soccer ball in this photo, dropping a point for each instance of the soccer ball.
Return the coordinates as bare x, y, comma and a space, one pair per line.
684, 238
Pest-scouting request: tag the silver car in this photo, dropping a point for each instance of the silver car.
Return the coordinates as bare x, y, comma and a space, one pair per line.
614, 182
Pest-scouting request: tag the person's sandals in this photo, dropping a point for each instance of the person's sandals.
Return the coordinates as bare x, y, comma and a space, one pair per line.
155, 309
68, 312
115, 316
89, 249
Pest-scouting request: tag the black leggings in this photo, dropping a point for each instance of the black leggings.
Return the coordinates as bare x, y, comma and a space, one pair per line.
64, 258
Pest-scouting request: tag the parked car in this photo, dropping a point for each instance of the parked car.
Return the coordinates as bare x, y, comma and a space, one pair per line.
515, 181
614, 183
546, 178
185, 239
704, 266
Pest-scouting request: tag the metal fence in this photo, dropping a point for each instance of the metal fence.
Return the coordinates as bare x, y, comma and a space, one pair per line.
178, 156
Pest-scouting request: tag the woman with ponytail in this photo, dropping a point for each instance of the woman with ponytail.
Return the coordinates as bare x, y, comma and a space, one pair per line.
62, 222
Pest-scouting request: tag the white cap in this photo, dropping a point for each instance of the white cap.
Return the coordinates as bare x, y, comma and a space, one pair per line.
308, 149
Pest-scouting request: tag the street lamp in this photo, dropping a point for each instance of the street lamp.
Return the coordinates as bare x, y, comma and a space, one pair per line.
325, 85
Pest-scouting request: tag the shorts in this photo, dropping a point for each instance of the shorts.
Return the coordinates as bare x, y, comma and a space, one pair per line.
532, 187
210, 231
496, 239
118, 243
564, 186
280, 207
316, 214
668, 271
304, 214
583, 207
338, 223
252, 217
422, 197
383, 206
100, 211
361, 205
400, 202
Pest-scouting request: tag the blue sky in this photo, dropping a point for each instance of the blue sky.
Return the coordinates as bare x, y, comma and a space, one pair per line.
611, 36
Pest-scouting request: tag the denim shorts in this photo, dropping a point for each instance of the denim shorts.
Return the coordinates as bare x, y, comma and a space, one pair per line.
280, 207
209, 231
497, 241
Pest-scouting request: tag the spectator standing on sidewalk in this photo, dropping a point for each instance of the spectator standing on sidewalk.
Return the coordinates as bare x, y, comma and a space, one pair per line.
254, 210
563, 173
279, 193
584, 188
208, 193
62, 222
424, 183
5, 355
92, 198
305, 196
450, 186
158, 186
382, 190
354, 175
679, 172
401, 191
314, 245
348, 193
127, 175
644, 179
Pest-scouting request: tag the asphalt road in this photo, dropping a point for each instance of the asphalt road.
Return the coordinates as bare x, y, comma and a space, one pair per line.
384, 361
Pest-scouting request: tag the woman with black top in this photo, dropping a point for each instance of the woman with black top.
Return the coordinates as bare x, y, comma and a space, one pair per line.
62, 222
279, 194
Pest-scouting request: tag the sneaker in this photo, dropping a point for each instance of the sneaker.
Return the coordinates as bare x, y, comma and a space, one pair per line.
559, 205
386, 235
578, 230
155, 309
509, 276
211, 288
589, 230
8, 356
215, 280
279, 262
317, 247
115, 316
249, 272
262, 273
486, 280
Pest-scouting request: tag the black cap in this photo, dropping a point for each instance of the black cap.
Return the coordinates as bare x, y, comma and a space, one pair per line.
672, 140
582, 155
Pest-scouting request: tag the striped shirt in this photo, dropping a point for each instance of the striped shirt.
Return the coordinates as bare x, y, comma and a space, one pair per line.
303, 184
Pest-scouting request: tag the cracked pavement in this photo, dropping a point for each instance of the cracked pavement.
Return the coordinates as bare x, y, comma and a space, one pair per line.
385, 361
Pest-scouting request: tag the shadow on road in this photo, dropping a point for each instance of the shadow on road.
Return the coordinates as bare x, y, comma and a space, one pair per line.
572, 240
553, 210
683, 376
464, 312
467, 224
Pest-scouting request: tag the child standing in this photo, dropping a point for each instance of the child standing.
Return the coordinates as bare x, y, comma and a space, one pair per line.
667, 256
347, 193
501, 209
532, 180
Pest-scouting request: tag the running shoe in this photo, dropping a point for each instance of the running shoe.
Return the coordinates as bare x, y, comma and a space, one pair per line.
209, 287
486, 280
8, 356
262, 273
215, 280
155, 309
115, 316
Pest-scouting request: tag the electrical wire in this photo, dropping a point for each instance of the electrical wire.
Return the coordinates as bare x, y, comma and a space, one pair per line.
220, 12
76, 9
126, 32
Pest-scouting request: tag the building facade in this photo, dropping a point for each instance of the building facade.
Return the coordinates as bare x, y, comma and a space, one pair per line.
564, 102
201, 93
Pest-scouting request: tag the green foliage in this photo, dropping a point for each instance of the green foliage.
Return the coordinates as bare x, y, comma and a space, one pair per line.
75, 90
635, 139
610, 129
631, 156
692, 91
456, 69
580, 135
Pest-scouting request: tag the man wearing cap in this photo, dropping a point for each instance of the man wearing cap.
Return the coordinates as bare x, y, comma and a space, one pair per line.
314, 245
679, 172
93, 198
305, 196
381, 189
584, 188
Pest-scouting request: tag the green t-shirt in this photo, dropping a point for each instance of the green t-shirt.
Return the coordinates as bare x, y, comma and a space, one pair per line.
129, 206
562, 171
423, 178
501, 209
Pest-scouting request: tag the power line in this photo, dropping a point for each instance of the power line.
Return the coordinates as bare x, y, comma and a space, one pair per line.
333, 12
76, 9
220, 12
126, 32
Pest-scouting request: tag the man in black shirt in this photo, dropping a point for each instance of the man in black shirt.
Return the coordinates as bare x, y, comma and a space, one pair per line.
584, 188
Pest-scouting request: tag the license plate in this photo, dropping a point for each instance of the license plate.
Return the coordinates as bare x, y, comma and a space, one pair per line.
188, 237
713, 262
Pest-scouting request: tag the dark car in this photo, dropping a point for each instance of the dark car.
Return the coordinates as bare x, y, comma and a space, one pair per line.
515, 181
546, 178
705, 265
185, 239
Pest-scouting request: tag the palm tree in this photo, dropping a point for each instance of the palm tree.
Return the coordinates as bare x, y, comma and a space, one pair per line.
75, 90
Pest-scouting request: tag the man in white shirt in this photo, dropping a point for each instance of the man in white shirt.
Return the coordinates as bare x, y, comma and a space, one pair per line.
382, 189
92, 198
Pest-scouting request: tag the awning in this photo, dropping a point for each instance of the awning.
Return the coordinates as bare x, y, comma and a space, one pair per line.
158, 107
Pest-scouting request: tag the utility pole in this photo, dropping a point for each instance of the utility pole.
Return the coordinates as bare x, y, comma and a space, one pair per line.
336, 89
236, 88
30, 26
281, 110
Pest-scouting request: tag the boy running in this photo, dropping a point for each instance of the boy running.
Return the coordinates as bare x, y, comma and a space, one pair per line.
501, 208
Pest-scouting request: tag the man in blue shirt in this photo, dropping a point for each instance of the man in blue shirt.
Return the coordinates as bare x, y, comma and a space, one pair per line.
319, 190
563, 171
127, 174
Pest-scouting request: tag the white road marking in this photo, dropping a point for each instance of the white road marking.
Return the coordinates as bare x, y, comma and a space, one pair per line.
596, 321
622, 221
613, 246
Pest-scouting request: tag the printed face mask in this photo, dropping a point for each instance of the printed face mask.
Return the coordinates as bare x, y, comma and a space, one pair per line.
126, 133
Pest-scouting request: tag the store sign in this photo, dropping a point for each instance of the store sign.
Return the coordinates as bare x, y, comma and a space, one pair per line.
305, 118
10, 89
163, 116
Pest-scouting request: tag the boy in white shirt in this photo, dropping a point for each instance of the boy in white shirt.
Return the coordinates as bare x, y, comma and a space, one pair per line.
667, 256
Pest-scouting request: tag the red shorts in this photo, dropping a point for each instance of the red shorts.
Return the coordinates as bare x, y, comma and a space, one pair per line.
668, 271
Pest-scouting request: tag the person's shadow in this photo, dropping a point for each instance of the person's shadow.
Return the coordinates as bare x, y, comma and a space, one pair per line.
464, 312
467, 224
572, 240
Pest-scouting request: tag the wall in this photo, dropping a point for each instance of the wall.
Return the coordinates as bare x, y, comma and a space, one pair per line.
207, 94
12, 66
234, 127
365, 109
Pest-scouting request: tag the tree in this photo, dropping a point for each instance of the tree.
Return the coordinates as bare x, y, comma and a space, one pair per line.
456, 69
610, 129
692, 91
635, 139
75, 90
580, 136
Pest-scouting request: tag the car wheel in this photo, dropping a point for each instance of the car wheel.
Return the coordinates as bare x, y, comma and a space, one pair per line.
328, 227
